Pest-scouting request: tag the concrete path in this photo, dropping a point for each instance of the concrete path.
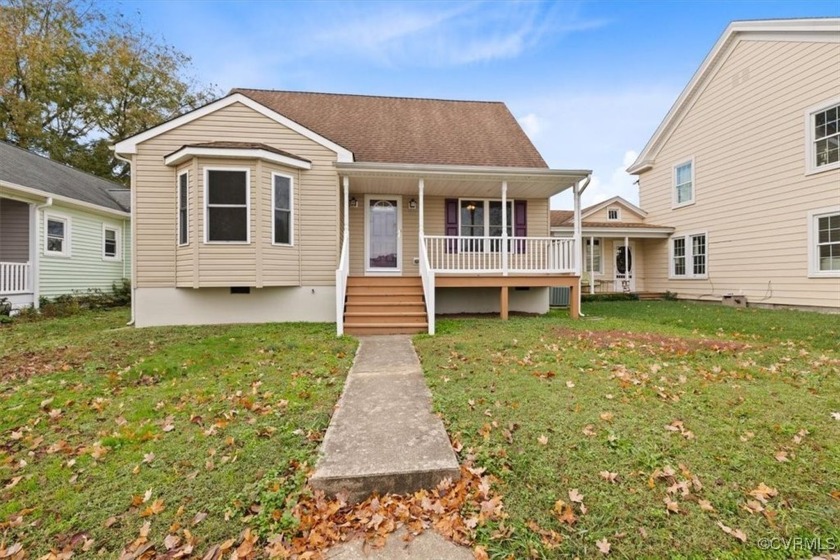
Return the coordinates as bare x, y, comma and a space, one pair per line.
383, 436
427, 546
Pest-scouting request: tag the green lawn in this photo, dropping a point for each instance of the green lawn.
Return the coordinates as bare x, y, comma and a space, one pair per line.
104, 428
644, 406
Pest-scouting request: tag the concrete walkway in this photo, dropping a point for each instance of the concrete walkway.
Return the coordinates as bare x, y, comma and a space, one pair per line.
383, 436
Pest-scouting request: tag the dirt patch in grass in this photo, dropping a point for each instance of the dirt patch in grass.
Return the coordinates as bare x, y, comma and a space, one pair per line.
651, 343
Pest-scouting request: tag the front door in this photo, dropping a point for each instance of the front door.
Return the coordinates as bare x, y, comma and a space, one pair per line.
625, 277
382, 234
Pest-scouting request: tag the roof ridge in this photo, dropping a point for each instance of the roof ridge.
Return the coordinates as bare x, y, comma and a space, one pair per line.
269, 90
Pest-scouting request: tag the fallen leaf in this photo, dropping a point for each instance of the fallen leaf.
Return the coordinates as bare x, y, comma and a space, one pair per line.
608, 476
705, 505
570, 384
603, 545
835, 415
148, 457
762, 493
543, 440
589, 430
782, 456
607, 416
671, 505
736, 533
479, 553
575, 496
199, 517
754, 506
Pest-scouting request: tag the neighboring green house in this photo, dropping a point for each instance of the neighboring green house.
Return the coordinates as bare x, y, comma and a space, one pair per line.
61, 230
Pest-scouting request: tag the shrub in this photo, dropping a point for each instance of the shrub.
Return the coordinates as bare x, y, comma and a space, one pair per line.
617, 296
70, 304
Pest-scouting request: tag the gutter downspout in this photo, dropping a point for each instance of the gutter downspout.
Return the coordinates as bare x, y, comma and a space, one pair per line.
578, 235
133, 256
36, 260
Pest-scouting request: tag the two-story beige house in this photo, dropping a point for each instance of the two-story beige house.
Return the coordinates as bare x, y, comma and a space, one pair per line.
746, 168
376, 213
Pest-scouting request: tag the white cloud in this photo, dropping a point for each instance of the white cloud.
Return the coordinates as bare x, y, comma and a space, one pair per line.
531, 124
619, 183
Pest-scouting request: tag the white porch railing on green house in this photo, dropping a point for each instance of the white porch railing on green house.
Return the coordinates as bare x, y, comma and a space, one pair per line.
341, 274
492, 255
428, 277
15, 278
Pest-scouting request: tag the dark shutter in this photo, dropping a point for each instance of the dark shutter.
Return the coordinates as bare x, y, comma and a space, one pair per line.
451, 214
520, 223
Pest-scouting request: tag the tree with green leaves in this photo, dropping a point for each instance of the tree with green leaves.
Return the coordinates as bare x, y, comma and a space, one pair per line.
75, 79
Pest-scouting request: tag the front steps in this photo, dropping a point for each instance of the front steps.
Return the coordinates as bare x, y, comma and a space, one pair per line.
385, 305
650, 296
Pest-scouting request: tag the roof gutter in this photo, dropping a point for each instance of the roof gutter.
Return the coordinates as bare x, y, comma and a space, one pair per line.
360, 168
133, 252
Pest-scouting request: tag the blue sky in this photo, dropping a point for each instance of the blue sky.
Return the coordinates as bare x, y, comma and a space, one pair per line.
589, 81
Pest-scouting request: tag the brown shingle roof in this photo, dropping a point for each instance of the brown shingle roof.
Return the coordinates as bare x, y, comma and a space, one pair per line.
409, 130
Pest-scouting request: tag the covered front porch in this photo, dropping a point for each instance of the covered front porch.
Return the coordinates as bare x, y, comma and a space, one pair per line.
16, 252
473, 229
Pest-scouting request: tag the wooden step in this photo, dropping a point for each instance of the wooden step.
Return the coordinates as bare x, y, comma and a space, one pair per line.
650, 296
391, 318
384, 281
385, 328
385, 306
385, 290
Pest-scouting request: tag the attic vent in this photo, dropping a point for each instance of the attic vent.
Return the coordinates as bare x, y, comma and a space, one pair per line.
612, 214
240, 290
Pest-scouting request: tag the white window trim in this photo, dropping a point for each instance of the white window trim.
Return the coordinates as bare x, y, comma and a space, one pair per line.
247, 171
689, 202
689, 257
810, 155
178, 208
813, 253
117, 239
600, 242
291, 179
617, 213
66, 253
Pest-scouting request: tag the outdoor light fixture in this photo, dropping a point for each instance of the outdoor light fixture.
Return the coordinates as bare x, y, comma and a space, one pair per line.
471, 207
354, 203
412, 204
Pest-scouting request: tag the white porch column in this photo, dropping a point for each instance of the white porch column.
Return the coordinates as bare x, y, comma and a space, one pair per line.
346, 184
421, 186
627, 258
592, 263
504, 231
577, 235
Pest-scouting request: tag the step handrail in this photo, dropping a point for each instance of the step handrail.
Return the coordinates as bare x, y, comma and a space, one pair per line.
341, 275
428, 276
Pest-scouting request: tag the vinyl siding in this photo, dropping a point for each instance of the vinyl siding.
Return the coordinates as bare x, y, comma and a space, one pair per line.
161, 263
14, 231
85, 268
746, 132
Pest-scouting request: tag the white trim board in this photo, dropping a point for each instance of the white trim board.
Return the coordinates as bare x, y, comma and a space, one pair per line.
188, 152
129, 145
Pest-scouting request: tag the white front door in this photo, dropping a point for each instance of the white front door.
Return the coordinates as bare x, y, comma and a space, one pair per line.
383, 223
625, 277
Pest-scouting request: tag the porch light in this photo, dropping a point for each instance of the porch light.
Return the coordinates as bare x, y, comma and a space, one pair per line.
354, 203
471, 207
412, 204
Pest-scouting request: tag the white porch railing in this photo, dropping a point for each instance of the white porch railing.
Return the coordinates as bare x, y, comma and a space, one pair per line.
341, 274
428, 277
470, 255
15, 278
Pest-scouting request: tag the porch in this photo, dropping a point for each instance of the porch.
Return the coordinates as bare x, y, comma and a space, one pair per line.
16, 246
477, 230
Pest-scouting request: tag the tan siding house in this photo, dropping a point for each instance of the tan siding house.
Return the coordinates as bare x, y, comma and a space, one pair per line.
746, 169
376, 213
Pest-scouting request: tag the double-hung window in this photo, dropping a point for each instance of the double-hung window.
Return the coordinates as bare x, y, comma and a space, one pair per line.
57, 239
683, 183
483, 218
282, 198
823, 134
689, 254
110, 243
824, 243
183, 209
227, 210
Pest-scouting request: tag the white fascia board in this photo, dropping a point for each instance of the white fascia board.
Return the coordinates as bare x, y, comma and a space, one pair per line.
637, 233
129, 145
188, 152
66, 200
814, 29
362, 168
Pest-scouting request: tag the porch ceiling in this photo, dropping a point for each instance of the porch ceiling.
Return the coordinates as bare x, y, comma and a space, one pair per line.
458, 181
